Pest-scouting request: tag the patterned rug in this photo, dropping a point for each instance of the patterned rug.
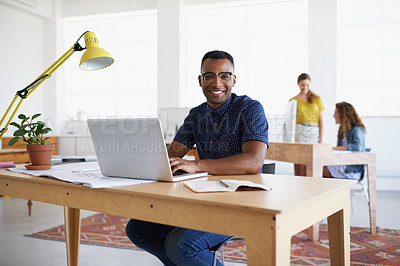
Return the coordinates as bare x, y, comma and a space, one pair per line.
380, 249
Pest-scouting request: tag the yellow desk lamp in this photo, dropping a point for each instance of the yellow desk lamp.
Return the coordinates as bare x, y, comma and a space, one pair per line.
94, 58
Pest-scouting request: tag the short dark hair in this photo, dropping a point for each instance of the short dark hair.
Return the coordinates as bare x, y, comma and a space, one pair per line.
303, 76
217, 55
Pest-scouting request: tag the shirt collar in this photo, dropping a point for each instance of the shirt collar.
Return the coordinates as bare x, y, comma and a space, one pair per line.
223, 107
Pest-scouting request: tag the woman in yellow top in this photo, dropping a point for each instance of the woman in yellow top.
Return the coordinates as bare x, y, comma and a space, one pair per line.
309, 122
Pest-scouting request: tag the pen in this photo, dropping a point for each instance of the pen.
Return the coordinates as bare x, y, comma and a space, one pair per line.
222, 183
84, 170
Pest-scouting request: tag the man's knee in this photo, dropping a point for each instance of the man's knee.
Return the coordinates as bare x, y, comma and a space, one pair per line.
129, 228
134, 230
178, 247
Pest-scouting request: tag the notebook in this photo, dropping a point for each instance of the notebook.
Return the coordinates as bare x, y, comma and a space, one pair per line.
133, 147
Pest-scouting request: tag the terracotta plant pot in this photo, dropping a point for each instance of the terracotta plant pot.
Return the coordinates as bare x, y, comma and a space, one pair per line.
40, 156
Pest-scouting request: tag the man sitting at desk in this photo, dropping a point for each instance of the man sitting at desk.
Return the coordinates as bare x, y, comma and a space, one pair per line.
231, 136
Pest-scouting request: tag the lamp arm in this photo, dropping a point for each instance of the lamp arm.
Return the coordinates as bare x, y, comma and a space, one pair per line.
24, 93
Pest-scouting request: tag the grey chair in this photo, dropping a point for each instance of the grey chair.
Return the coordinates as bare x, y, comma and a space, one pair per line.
220, 247
266, 169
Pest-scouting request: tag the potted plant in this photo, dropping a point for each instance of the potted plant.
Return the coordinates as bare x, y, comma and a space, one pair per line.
39, 148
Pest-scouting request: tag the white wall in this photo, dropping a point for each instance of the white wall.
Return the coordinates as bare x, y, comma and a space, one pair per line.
382, 138
41, 8
22, 59
322, 51
73, 8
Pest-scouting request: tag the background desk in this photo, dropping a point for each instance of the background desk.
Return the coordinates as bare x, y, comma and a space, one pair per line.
316, 156
17, 153
265, 219
18, 156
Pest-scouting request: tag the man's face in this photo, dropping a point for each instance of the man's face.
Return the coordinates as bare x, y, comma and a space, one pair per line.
219, 90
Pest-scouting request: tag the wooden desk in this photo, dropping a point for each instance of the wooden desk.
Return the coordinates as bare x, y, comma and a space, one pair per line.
265, 219
316, 156
19, 155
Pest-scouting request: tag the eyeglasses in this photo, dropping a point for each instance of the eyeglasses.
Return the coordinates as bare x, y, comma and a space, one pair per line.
209, 77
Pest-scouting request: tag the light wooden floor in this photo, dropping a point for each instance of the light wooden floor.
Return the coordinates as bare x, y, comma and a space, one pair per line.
17, 250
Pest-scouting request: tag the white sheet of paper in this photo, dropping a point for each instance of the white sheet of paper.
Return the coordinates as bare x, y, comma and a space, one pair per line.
87, 174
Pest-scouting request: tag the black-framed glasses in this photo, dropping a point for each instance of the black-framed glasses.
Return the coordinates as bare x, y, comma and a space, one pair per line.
209, 77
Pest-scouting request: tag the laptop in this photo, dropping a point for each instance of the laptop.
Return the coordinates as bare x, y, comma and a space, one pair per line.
133, 147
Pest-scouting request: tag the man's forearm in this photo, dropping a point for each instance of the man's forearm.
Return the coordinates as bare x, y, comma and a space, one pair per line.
238, 164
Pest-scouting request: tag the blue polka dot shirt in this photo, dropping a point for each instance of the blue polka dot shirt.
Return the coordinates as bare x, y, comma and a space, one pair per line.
221, 132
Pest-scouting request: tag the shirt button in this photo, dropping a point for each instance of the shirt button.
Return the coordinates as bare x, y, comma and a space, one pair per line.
211, 141
216, 124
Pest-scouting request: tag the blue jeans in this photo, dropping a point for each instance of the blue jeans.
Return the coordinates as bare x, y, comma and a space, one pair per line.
174, 245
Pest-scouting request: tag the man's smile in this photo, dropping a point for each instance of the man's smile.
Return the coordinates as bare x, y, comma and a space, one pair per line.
216, 92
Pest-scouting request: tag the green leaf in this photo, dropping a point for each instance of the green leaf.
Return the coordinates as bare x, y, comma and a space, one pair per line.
46, 139
22, 116
35, 116
19, 132
23, 125
15, 124
46, 130
13, 141
39, 128
31, 140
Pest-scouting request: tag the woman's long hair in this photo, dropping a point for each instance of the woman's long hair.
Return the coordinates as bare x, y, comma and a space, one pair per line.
311, 96
348, 118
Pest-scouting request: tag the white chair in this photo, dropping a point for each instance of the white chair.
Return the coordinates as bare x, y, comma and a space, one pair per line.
361, 183
289, 126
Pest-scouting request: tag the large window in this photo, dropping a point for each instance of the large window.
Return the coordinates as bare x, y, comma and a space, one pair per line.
369, 55
129, 86
268, 41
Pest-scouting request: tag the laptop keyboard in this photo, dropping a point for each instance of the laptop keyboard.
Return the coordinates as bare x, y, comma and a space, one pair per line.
178, 173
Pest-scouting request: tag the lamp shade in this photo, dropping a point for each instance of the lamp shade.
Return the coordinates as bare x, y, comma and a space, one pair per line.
94, 57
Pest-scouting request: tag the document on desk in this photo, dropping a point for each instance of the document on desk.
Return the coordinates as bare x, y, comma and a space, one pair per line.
87, 174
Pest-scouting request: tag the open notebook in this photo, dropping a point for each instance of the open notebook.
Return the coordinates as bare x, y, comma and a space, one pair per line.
225, 185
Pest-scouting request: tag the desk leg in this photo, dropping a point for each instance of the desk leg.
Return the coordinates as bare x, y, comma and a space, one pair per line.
372, 196
268, 246
72, 234
316, 171
339, 236
259, 251
314, 232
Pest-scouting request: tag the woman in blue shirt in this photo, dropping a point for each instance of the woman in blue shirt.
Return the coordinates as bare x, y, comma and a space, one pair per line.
351, 137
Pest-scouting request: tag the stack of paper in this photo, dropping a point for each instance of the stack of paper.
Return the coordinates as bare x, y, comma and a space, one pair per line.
87, 174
